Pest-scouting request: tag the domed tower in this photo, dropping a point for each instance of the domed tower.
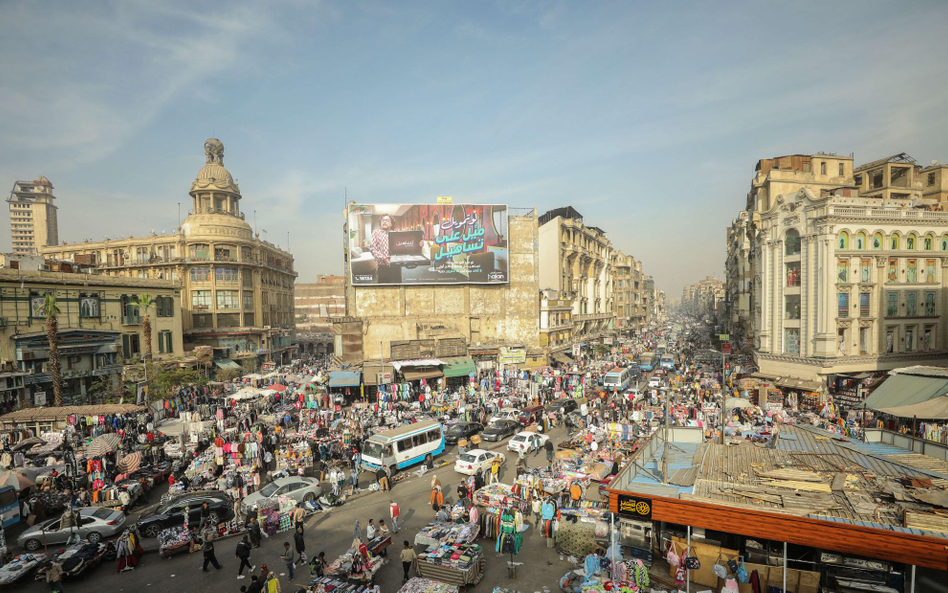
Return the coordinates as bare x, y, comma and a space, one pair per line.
216, 197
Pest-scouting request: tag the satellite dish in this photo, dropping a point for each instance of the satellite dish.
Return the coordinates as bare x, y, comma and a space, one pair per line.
934, 161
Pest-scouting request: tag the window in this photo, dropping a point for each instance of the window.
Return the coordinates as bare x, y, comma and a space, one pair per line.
864, 333
793, 274
200, 274
931, 179
894, 242
930, 271
843, 241
891, 304
226, 274
911, 271
865, 270
928, 243
910, 243
877, 241
911, 304
858, 180
842, 170
165, 306
928, 338
860, 241
890, 340
893, 273
131, 346
842, 270
130, 313
228, 299
200, 252
792, 306
791, 341
434, 435
930, 304
910, 339
865, 298
792, 244
248, 301
823, 168
89, 306
842, 308
164, 342
841, 342
200, 299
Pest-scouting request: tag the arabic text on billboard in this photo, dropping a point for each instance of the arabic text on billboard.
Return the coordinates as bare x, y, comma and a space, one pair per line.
428, 244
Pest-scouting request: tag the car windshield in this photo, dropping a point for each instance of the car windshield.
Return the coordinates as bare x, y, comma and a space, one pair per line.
520, 437
102, 513
372, 449
467, 458
269, 489
457, 429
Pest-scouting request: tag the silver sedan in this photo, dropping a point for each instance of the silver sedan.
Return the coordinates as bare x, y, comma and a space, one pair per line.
94, 524
299, 489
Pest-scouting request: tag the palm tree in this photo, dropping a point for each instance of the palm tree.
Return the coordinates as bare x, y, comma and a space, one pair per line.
50, 311
143, 303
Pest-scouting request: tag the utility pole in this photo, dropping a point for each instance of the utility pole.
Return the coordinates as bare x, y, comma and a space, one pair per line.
665, 441
723, 394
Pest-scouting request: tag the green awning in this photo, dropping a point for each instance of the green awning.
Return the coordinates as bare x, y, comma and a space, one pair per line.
904, 390
226, 363
459, 367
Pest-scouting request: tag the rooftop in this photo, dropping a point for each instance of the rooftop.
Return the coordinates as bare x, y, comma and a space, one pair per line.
71, 279
895, 158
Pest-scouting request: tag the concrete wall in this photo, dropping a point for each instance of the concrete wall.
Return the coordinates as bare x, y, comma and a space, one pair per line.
549, 242
497, 315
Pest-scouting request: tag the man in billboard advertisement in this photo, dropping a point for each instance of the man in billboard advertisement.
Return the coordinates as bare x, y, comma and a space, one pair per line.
428, 244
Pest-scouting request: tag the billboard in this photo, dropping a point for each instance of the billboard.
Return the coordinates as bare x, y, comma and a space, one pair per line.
398, 244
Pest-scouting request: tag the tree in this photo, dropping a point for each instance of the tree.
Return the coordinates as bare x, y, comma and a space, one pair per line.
50, 311
228, 374
164, 383
103, 391
143, 303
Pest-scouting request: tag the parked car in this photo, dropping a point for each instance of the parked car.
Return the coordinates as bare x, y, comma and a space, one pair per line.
171, 513
94, 523
655, 382
504, 414
564, 406
500, 430
530, 415
462, 430
476, 460
299, 489
527, 441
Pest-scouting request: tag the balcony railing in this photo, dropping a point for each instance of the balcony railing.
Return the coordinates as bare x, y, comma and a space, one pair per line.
870, 212
131, 320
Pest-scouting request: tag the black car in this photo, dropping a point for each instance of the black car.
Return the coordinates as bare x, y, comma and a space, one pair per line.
564, 406
462, 430
500, 430
171, 513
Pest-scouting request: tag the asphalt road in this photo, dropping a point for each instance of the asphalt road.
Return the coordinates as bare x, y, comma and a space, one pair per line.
331, 532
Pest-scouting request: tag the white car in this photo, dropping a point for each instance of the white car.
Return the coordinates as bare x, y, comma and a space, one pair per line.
476, 460
654, 382
527, 441
505, 414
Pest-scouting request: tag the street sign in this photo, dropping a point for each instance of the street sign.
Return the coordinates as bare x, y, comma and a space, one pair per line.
726, 348
444, 200
724, 337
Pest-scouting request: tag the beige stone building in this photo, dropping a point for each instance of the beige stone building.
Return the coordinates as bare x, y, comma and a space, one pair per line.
704, 298
100, 331
491, 322
556, 323
237, 289
33, 219
316, 305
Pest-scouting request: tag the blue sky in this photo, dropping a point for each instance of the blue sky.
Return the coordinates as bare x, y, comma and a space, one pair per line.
647, 117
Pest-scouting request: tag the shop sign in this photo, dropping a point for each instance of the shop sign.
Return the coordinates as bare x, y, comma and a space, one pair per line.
576, 348
39, 398
607, 341
512, 355
634, 507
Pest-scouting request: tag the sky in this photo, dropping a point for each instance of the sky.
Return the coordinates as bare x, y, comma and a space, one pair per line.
646, 117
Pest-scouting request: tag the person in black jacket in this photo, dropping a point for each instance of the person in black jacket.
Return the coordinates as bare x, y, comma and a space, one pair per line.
243, 552
255, 585
209, 557
255, 534
300, 545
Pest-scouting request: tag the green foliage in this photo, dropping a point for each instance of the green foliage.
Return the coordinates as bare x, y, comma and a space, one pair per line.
602, 349
163, 383
50, 308
229, 374
103, 391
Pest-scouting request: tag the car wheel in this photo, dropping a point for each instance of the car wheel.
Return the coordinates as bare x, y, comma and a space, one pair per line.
310, 497
214, 518
32, 545
94, 537
152, 530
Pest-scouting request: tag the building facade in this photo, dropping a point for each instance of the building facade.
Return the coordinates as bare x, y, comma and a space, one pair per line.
704, 298
33, 219
100, 331
237, 289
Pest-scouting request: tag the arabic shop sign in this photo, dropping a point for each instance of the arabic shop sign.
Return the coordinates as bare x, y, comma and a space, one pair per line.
398, 244
634, 507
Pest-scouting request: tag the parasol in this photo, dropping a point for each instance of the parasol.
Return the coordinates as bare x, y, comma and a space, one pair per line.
310, 385
277, 387
16, 479
130, 462
103, 444
737, 402
27, 443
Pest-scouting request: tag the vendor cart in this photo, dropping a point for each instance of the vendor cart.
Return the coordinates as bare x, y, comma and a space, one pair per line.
451, 576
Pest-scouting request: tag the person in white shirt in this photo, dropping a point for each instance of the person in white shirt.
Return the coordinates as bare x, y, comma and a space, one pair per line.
371, 530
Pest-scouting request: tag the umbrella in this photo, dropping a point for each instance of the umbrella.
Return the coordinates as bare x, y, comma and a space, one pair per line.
310, 385
130, 462
16, 479
737, 402
103, 444
27, 443
276, 387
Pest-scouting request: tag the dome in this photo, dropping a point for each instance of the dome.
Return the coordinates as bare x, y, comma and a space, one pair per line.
42, 181
213, 175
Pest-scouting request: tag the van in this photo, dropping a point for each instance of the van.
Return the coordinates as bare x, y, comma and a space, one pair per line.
404, 446
530, 415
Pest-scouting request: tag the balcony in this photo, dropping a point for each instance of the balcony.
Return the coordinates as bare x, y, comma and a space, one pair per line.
592, 316
131, 320
239, 215
872, 212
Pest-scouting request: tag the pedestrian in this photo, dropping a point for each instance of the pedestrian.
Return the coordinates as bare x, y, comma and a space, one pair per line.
370, 530
353, 480
299, 514
549, 451
495, 470
408, 556
243, 553
205, 514
289, 557
255, 533
382, 478
442, 515
209, 557
300, 545
317, 565
255, 585
393, 512
54, 576
388, 477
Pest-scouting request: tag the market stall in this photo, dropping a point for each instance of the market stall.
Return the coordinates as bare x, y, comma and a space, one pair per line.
456, 563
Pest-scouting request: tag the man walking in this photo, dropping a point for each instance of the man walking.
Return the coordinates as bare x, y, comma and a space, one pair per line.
255, 534
408, 556
299, 513
54, 576
289, 557
549, 452
243, 553
495, 470
209, 556
393, 512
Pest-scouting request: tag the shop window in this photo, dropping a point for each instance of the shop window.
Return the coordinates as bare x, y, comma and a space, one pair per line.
911, 271
911, 304
860, 241
891, 304
893, 271
793, 274
842, 270
792, 306
842, 302
865, 299
843, 241
930, 271
930, 304
865, 270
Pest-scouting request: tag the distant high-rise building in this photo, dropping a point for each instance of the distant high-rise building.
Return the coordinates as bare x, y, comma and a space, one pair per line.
33, 222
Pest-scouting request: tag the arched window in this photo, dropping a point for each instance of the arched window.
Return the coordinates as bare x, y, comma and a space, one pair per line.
843, 241
792, 243
928, 243
911, 242
860, 241
944, 243
893, 241
877, 240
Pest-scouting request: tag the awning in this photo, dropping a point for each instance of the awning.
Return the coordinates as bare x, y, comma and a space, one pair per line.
370, 372
933, 409
418, 362
415, 374
226, 363
344, 378
560, 357
459, 367
795, 383
904, 390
